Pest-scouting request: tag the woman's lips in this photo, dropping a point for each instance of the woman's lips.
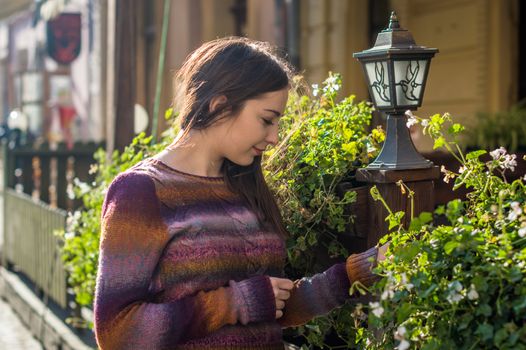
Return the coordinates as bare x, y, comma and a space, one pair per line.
258, 151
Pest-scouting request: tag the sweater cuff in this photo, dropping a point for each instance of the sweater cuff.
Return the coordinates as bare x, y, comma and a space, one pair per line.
359, 267
254, 299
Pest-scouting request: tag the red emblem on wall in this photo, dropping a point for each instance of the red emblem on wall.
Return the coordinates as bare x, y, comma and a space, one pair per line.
63, 37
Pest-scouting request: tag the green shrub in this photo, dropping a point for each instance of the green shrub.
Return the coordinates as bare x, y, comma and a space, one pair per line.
323, 143
506, 128
459, 285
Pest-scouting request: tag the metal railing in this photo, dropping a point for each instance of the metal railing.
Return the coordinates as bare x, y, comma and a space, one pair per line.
36, 182
30, 243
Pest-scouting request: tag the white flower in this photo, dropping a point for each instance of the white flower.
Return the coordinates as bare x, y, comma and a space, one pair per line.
496, 154
455, 285
376, 309
331, 80
72, 218
515, 211
411, 121
509, 162
424, 122
400, 332
404, 345
461, 169
69, 235
387, 294
454, 297
473, 294
405, 282
84, 187
331, 84
409, 114
522, 232
455, 289
315, 90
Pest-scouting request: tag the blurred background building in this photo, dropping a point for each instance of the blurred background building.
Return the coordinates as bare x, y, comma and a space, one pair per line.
480, 67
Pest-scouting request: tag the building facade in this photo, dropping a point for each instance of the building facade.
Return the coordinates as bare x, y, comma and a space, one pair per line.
480, 66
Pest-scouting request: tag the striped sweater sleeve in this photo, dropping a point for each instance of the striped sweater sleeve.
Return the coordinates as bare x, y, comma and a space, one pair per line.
319, 294
133, 236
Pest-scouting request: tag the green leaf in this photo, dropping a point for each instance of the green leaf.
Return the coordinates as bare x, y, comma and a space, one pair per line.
440, 210
464, 321
395, 220
455, 129
475, 154
415, 224
429, 290
403, 312
408, 251
500, 336
520, 304
485, 330
425, 217
450, 246
439, 142
484, 310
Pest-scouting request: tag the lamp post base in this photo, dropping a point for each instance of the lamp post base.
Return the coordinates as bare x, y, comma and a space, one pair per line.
420, 181
398, 151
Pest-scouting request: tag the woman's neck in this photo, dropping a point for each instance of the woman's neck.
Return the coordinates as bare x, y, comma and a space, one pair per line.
192, 155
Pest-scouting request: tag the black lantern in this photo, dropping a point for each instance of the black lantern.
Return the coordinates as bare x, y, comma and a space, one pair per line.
396, 72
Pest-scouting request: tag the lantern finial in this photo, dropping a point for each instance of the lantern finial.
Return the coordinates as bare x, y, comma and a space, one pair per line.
393, 21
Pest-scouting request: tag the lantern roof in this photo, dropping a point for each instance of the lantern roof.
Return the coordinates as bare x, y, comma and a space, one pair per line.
395, 41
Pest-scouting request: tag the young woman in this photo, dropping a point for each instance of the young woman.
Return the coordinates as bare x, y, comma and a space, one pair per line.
192, 246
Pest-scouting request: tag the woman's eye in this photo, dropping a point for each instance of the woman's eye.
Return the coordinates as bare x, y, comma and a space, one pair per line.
267, 121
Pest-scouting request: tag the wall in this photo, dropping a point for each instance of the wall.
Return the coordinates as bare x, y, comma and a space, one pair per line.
476, 67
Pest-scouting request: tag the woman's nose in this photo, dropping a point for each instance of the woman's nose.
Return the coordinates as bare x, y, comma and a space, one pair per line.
273, 136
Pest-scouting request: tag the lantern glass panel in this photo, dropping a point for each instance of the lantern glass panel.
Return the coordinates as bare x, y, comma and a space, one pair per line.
409, 80
378, 75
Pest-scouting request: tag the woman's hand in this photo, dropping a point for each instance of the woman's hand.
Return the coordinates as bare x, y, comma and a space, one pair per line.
281, 288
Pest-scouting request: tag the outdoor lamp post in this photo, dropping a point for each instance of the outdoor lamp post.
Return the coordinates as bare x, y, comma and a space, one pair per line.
396, 71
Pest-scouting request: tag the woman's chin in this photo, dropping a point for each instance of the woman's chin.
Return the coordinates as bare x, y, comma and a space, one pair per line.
244, 161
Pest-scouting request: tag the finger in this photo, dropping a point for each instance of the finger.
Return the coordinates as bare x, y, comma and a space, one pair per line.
279, 313
284, 283
282, 294
280, 304
382, 252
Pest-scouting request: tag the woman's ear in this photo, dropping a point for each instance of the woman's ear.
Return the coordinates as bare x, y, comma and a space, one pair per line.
216, 102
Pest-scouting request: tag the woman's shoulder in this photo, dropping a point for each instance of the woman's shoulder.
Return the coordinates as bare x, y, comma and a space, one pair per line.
147, 179
133, 183
141, 176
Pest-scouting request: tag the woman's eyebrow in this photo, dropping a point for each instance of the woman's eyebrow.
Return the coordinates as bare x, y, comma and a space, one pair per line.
278, 114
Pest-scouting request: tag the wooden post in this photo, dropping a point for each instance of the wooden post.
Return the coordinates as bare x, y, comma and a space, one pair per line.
125, 72
418, 180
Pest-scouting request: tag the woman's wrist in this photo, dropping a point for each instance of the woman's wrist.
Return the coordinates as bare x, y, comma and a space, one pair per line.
359, 267
254, 299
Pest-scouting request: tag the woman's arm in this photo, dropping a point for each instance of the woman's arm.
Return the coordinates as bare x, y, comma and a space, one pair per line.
132, 240
319, 294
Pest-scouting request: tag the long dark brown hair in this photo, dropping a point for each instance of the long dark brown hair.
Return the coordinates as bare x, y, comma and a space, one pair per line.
239, 69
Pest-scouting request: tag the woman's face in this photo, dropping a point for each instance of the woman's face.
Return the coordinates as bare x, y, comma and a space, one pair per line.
247, 135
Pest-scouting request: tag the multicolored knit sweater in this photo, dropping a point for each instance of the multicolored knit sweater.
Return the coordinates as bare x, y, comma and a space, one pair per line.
184, 264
